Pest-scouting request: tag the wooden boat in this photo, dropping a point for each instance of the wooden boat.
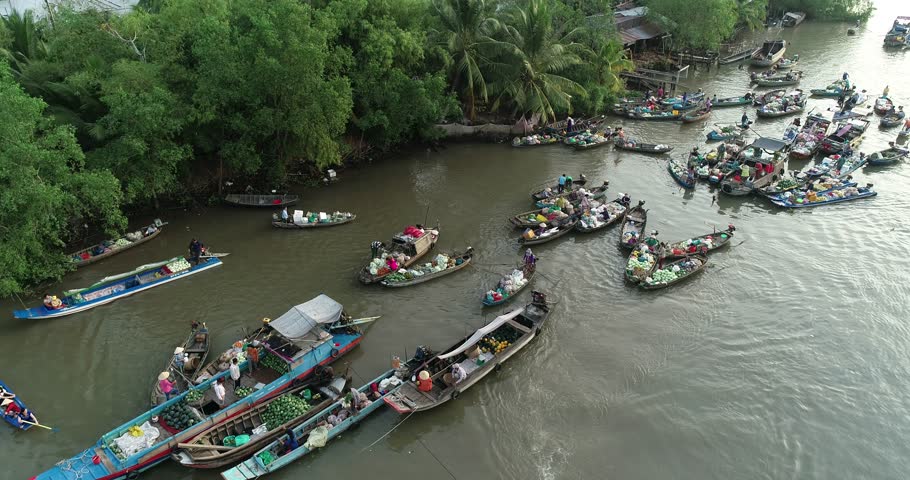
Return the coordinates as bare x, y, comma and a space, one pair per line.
808, 141
703, 244
656, 116
109, 248
588, 146
731, 102
678, 100
848, 133
770, 53
828, 198
786, 183
14, 418
883, 105
642, 147
548, 191
552, 233
696, 116
690, 265
828, 166
615, 210
209, 448
821, 186
899, 35
792, 109
833, 90
274, 456
891, 120
541, 141
517, 328
461, 260
116, 287
573, 196
724, 132
299, 220
886, 157
560, 128
245, 200
526, 219
322, 333
194, 350
903, 134
782, 81
788, 63
401, 244
633, 224
792, 19
680, 174
763, 150
527, 271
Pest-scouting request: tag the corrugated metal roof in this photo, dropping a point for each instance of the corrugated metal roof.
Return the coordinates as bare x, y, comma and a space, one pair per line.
644, 31
632, 12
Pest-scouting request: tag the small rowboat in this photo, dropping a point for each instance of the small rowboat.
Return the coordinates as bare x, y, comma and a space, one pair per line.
791, 109
830, 184
213, 448
696, 116
883, 158
828, 198
780, 81
616, 211
731, 102
274, 456
679, 173
194, 351
588, 146
535, 141
892, 119
768, 97
641, 262
502, 338
116, 287
785, 184
552, 233
703, 243
677, 100
96, 253
689, 266
903, 134
15, 418
788, 63
548, 192
633, 223
725, 132
462, 260
592, 194
656, 116
333, 220
401, 244
642, 147
528, 276
526, 219
261, 200
883, 105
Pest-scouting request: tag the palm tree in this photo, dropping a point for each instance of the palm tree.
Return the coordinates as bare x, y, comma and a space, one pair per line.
608, 63
534, 84
751, 13
27, 44
467, 34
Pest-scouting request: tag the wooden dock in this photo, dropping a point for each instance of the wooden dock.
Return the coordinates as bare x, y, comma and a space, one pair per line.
653, 79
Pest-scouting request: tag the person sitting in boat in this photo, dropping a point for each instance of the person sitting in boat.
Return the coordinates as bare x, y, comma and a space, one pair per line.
290, 443
633, 236
744, 121
424, 382
150, 230
178, 358
797, 123
652, 241
51, 302
749, 95
391, 263
530, 261
458, 373
625, 199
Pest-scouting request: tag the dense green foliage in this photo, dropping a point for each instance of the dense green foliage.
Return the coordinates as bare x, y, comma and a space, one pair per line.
826, 9
178, 96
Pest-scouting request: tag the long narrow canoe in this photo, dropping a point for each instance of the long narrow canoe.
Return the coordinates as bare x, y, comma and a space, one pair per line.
7, 397
731, 102
642, 147
703, 243
465, 258
113, 247
680, 174
633, 224
616, 212
552, 233
889, 156
592, 194
296, 226
827, 198
528, 276
117, 287
329, 422
512, 332
246, 200
689, 266
195, 351
696, 116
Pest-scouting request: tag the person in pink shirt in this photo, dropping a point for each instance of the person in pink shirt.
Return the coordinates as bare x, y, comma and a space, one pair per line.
167, 387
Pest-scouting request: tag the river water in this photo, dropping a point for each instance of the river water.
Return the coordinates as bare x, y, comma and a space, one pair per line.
787, 359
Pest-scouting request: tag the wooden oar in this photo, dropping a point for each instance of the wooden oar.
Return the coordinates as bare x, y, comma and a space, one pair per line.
53, 429
204, 447
214, 255
361, 321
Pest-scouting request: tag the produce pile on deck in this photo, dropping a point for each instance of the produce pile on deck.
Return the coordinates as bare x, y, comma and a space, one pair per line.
508, 285
301, 218
669, 274
640, 262
586, 138
284, 409
179, 416
275, 363
440, 263
534, 140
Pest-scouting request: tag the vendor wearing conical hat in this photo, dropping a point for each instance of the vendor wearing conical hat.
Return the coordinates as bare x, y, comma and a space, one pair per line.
167, 387
424, 383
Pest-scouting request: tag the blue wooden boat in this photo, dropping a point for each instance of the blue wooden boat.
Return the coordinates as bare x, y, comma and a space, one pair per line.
274, 456
679, 173
864, 192
292, 347
528, 273
724, 132
783, 196
884, 158
116, 287
7, 397
678, 100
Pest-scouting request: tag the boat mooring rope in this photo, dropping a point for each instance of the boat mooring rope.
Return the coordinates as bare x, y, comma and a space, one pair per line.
85, 459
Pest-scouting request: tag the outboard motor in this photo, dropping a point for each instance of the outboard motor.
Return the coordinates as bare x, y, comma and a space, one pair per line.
538, 298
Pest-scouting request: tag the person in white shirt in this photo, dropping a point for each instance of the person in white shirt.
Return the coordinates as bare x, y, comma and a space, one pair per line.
218, 388
235, 372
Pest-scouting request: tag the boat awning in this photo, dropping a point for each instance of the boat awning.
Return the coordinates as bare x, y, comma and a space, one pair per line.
769, 144
300, 320
645, 31
482, 332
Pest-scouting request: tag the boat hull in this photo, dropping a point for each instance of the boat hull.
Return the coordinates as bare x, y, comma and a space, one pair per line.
98, 258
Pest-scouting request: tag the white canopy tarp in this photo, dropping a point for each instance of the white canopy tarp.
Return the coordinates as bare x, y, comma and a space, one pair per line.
483, 331
300, 320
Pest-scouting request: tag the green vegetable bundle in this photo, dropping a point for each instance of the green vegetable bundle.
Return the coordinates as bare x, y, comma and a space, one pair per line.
193, 396
243, 392
179, 416
284, 409
275, 363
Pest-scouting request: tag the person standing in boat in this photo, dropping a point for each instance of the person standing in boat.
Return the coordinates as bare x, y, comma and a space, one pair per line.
570, 123
886, 91
195, 251
284, 215
744, 122
660, 92
235, 372
167, 387
218, 389
252, 354
561, 183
